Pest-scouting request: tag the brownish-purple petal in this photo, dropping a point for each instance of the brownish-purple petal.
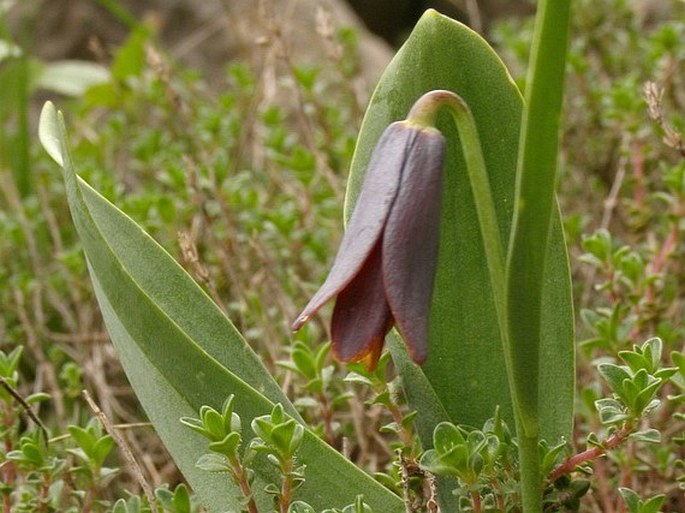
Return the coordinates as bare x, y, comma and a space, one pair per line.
361, 317
410, 241
377, 195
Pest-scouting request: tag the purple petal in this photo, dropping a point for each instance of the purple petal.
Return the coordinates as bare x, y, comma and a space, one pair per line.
410, 241
361, 317
375, 200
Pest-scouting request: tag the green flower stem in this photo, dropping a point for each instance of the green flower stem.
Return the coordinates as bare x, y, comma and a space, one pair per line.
530, 471
424, 113
533, 208
494, 254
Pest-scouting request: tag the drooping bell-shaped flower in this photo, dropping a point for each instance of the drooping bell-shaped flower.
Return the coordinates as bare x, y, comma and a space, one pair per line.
384, 271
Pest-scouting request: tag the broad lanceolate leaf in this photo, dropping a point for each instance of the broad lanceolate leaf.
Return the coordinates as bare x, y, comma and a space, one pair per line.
464, 376
180, 352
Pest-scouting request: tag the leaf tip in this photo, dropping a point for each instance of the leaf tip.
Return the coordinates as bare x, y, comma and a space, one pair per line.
49, 132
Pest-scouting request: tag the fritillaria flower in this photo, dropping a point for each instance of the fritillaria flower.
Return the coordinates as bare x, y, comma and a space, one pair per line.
383, 273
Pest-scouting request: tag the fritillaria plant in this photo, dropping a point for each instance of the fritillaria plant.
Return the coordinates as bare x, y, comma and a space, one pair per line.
455, 240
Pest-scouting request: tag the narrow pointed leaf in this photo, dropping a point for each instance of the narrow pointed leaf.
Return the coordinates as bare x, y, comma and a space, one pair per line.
180, 352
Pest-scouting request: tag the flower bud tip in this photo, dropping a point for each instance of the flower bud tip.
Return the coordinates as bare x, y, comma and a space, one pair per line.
299, 322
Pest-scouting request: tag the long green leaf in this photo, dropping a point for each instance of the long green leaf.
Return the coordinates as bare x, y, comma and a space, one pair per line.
466, 369
180, 352
535, 200
534, 209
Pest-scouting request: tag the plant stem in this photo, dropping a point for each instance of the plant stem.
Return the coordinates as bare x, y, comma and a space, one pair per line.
404, 474
404, 433
327, 419
533, 208
590, 454
424, 112
44, 495
477, 506
530, 472
286, 487
240, 477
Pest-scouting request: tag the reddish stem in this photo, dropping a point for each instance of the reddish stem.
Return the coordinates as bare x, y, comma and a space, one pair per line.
327, 417
477, 506
638, 161
666, 249
89, 498
286, 487
590, 454
241, 479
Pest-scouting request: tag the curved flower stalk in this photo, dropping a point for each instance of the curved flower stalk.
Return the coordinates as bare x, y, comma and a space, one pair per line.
383, 273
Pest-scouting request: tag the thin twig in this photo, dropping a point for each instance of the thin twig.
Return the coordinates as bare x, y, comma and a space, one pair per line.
611, 201
191, 258
132, 463
44, 366
27, 408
